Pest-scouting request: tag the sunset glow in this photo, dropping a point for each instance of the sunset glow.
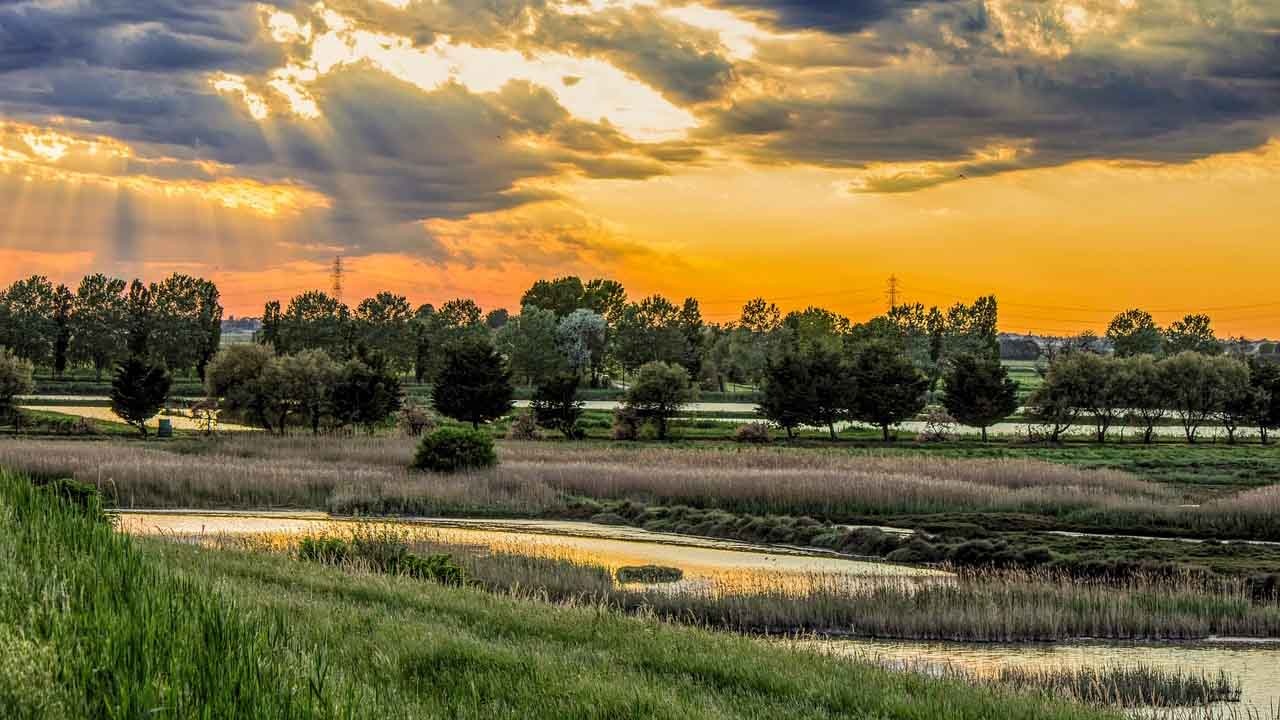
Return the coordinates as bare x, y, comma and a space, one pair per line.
1073, 157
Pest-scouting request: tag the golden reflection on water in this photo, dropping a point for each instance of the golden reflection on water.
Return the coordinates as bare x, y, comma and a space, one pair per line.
716, 567
1255, 664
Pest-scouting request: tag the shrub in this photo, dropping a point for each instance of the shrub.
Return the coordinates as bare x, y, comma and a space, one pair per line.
523, 427
439, 568
454, 449
328, 550
755, 432
649, 574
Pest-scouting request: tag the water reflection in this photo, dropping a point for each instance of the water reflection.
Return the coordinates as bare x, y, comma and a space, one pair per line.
709, 565
1255, 664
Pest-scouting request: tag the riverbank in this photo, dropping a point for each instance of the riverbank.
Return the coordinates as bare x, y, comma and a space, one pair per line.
156, 624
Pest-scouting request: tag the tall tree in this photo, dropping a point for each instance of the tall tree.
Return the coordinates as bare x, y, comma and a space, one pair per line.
27, 325
561, 296
383, 324
139, 319
316, 321
1196, 389
180, 334
474, 384
209, 320
139, 391
305, 385
1264, 375
272, 318
978, 391
1148, 395
1134, 332
63, 303
98, 322
1099, 386
649, 331
890, 388
581, 338
529, 341
605, 298
1192, 333
787, 394
833, 394
693, 333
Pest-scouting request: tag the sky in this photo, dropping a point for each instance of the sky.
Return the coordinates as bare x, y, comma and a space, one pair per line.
1073, 157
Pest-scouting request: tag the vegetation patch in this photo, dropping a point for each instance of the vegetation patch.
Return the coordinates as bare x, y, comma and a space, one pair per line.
649, 574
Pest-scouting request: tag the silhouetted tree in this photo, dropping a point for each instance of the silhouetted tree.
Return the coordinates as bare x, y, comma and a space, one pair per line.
787, 394
1134, 332
98, 322
366, 391
890, 388
139, 391
978, 391
555, 404
474, 384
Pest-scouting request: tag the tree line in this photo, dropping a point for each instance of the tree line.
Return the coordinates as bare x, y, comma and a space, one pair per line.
175, 323
1192, 388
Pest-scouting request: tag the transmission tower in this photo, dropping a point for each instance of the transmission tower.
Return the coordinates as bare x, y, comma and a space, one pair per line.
336, 278
893, 291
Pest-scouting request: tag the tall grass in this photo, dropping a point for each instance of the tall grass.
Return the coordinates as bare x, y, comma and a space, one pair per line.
369, 475
90, 629
96, 625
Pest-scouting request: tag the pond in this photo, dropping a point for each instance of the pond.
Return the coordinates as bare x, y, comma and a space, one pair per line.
704, 561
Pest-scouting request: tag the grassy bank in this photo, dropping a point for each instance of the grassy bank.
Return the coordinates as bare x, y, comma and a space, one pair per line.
97, 625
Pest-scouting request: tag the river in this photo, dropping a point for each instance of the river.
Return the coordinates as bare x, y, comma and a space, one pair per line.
1255, 664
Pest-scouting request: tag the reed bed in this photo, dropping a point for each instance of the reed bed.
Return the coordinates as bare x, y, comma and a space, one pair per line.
368, 475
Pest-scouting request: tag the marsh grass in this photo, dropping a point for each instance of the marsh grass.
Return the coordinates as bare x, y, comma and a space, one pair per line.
1134, 685
369, 475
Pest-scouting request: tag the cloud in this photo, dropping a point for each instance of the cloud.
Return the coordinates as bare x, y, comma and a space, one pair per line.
834, 16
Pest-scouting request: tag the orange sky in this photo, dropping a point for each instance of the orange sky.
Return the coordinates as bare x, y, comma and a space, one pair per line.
723, 150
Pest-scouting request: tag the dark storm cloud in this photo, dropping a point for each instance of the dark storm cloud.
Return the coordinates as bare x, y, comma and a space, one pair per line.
1165, 82
161, 35
834, 16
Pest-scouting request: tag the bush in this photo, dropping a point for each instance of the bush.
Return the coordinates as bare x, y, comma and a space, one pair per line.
523, 427
454, 449
755, 433
327, 550
649, 574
